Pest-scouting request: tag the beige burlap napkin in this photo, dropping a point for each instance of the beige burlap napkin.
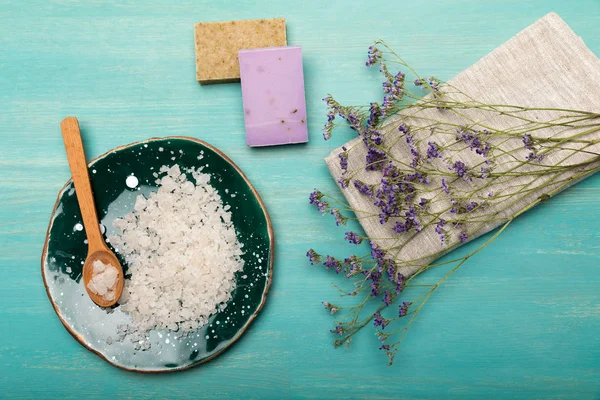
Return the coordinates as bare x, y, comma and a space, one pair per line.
545, 65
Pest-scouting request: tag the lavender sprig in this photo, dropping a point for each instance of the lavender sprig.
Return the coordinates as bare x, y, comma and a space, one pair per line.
433, 188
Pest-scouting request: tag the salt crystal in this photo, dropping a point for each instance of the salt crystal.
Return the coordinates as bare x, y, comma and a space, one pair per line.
178, 243
104, 280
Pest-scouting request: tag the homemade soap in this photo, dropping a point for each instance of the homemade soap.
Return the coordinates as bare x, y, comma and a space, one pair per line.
218, 43
273, 96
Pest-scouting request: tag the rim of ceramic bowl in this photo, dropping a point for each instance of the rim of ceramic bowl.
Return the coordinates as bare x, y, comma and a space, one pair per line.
79, 337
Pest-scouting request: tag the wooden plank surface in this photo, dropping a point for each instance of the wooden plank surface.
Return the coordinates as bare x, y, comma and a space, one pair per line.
520, 320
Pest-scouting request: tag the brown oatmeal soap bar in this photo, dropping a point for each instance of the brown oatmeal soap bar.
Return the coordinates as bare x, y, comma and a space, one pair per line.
218, 43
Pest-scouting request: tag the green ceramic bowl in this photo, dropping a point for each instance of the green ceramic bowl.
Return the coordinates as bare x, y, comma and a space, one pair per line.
65, 250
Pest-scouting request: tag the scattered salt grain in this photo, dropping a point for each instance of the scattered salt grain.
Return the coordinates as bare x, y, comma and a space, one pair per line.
131, 181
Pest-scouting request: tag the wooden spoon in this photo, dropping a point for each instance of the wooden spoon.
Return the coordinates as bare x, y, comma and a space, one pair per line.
97, 248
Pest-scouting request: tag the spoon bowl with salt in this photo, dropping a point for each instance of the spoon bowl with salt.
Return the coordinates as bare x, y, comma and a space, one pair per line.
102, 272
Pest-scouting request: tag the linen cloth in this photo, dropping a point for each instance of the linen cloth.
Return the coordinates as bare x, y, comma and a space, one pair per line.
545, 65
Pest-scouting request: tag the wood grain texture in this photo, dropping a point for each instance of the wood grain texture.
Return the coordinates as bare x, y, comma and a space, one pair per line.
97, 248
520, 320
81, 179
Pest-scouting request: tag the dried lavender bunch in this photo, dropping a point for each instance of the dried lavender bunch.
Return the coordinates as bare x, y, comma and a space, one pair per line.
473, 174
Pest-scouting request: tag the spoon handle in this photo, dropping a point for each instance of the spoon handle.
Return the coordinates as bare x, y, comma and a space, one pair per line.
76, 156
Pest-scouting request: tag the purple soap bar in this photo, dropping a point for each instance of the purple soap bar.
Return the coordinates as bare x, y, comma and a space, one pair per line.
273, 95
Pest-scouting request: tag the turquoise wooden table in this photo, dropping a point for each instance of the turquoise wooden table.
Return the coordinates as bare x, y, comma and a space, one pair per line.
520, 320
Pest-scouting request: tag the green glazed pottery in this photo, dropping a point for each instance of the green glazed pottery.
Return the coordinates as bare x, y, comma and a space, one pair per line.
65, 250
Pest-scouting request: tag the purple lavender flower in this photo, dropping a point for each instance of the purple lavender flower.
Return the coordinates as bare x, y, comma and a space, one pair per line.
416, 157
413, 150
473, 139
354, 120
355, 266
374, 276
387, 298
331, 262
329, 124
374, 54
433, 150
385, 347
460, 168
404, 308
331, 307
387, 87
374, 114
377, 253
399, 78
390, 171
440, 231
375, 159
403, 128
485, 172
434, 83
339, 330
391, 270
343, 159
313, 257
423, 202
331, 103
343, 181
418, 177
339, 218
463, 237
353, 238
371, 137
471, 206
387, 105
464, 135
430, 82
315, 197
400, 227
400, 282
534, 157
363, 188
445, 187
351, 260
483, 151
475, 143
393, 87
412, 220
378, 320
528, 142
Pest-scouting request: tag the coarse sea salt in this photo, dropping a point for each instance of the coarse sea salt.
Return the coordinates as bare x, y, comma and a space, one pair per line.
104, 280
182, 252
